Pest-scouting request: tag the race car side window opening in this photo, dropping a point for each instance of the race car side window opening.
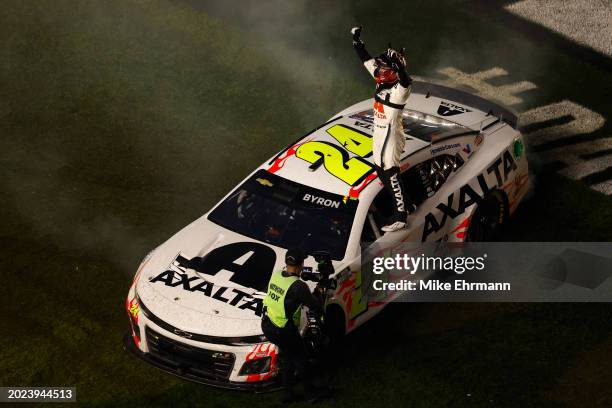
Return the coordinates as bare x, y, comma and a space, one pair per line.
421, 182
280, 212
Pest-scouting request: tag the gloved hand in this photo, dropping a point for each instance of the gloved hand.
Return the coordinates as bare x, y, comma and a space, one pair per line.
398, 62
356, 31
396, 65
391, 53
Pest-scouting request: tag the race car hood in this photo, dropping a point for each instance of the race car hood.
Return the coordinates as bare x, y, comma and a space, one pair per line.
209, 280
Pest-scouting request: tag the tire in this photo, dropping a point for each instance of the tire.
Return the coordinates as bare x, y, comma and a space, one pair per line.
335, 324
488, 217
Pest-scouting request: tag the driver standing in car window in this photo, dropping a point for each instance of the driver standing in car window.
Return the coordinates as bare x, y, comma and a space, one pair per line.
392, 91
281, 321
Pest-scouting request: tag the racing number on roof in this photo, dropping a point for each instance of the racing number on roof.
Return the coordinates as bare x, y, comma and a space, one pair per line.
336, 161
352, 140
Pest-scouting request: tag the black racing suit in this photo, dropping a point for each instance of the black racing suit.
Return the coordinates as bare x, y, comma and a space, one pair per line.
293, 354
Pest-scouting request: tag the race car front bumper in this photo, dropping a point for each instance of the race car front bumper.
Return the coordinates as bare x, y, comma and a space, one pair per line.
187, 367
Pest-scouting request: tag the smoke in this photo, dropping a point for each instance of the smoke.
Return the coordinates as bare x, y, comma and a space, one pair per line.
122, 121
119, 125
43, 203
305, 43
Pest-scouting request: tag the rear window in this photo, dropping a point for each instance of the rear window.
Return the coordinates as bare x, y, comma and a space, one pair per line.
421, 125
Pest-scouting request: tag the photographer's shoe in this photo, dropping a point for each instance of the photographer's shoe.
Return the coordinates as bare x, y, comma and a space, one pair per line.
319, 395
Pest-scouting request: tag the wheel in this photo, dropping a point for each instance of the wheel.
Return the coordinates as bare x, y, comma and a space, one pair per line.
335, 324
488, 217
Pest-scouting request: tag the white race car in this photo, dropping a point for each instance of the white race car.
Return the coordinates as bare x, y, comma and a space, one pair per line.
196, 301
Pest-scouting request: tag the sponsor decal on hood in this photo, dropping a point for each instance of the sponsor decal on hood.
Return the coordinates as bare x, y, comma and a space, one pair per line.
249, 264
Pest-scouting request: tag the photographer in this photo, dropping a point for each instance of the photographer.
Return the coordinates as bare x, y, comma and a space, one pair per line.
284, 300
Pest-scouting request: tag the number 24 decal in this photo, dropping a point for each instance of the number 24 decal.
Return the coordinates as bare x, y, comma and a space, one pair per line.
336, 160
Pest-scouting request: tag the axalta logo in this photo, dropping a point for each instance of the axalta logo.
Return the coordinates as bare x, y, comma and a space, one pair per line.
231, 296
397, 192
326, 202
450, 109
249, 263
503, 167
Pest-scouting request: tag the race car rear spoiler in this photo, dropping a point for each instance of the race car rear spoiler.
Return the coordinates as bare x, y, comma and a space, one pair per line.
465, 98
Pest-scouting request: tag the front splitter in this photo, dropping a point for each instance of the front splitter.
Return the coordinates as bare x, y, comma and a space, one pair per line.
257, 387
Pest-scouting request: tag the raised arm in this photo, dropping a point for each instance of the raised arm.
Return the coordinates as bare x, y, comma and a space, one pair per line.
361, 51
398, 63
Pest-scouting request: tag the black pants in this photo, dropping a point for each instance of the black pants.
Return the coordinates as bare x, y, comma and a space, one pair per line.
392, 181
292, 354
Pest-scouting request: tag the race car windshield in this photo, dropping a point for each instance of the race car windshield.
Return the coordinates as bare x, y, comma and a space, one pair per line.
280, 212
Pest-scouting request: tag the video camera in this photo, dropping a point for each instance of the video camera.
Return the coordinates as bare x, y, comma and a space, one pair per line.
325, 268
315, 338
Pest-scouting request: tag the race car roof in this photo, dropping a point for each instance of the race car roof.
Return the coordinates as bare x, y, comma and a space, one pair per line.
342, 146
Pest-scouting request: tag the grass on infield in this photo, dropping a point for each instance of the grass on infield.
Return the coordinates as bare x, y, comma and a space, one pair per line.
122, 121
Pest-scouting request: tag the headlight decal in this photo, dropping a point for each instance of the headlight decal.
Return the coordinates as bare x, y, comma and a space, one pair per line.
261, 359
133, 310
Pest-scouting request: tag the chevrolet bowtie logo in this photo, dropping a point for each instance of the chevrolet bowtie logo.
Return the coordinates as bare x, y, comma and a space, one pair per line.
182, 333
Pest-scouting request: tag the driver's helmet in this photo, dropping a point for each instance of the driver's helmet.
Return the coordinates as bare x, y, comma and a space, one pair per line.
384, 74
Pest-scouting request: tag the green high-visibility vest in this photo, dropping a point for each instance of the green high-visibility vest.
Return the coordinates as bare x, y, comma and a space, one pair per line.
275, 300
